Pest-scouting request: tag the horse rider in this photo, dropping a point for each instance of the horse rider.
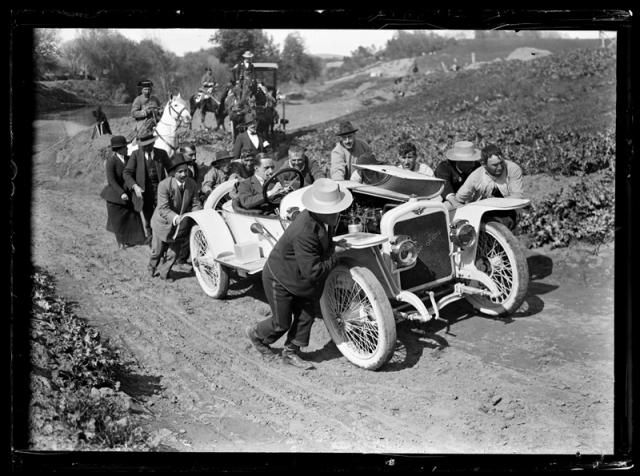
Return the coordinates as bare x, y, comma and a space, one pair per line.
207, 77
145, 109
245, 73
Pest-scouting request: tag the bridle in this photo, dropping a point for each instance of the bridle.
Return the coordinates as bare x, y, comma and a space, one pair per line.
178, 119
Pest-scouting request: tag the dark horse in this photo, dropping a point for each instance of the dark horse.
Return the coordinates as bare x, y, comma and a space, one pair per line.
265, 110
204, 103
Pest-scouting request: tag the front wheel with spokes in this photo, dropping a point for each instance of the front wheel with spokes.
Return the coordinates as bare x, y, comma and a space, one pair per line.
358, 316
500, 256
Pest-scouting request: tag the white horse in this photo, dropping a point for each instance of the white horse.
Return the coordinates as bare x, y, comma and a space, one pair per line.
175, 112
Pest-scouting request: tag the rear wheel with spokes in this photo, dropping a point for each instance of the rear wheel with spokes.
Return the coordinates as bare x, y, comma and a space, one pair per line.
212, 276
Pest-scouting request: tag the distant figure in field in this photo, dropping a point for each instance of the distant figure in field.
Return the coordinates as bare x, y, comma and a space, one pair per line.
102, 124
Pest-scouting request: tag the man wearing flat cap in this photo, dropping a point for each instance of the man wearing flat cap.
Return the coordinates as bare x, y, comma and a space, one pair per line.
177, 195
346, 153
145, 169
294, 275
145, 108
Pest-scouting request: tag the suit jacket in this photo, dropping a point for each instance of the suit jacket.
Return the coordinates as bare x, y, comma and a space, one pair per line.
453, 178
134, 171
311, 170
172, 202
244, 143
303, 256
249, 195
343, 159
115, 181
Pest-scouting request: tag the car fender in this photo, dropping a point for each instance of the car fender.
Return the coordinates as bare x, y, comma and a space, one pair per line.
473, 213
215, 229
219, 192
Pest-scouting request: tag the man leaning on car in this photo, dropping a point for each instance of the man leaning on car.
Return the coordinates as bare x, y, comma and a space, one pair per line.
496, 177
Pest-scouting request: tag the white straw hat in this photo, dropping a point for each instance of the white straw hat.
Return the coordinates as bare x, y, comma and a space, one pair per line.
326, 196
463, 151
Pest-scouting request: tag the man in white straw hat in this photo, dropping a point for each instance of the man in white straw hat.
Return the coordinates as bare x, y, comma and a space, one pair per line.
462, 159
295, 272
497, 177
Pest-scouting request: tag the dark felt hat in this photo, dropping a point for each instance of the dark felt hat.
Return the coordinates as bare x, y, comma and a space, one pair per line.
146, 138
145, 83
249, 118
344, 128
222, 155
118, 141
176, 160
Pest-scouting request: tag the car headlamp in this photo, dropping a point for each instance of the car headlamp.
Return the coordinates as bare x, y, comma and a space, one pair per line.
404, 251
462, 233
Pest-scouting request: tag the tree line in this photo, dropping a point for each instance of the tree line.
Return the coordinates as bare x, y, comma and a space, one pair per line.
119, 62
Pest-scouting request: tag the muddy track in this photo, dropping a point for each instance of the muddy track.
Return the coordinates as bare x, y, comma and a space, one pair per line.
540, 382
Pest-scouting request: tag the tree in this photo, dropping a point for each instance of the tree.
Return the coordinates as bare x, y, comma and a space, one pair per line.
406, 44
296, 64
46, 51
232, 43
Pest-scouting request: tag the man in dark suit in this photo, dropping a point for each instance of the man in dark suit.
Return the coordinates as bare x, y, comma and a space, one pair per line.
295, 272
250, 140
177, 195
145, 169
249, 194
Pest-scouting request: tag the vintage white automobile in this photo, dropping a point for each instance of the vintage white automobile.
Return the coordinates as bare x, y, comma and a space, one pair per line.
408, 256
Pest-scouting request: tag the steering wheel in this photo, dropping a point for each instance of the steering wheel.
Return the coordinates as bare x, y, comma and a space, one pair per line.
274, 177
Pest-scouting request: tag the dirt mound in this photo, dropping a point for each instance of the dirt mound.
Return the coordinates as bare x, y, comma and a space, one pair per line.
527, 53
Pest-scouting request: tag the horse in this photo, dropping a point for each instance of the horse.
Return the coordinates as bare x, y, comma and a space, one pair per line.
209, 102
265, 111
236, 108
175, 112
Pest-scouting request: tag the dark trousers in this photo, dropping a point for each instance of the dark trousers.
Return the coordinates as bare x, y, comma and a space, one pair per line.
179, 248
149, 197
288, 313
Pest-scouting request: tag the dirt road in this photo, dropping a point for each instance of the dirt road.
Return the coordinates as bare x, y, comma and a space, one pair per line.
540, 382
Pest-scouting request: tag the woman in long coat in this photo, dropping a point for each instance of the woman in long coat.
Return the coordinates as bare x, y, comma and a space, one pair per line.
122, 219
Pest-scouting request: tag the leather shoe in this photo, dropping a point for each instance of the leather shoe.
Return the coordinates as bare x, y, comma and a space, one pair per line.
152, 271
291, 358
260, 346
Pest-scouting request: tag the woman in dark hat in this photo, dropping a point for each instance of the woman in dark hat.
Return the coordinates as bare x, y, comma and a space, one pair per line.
122, 219
346, 152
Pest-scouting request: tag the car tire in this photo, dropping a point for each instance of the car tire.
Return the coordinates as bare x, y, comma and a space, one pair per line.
499, 254
358, 316
212, 276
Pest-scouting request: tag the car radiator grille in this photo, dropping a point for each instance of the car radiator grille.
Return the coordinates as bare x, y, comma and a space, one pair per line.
434, 262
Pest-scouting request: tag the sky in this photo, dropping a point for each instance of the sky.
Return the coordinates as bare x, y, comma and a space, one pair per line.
337, 42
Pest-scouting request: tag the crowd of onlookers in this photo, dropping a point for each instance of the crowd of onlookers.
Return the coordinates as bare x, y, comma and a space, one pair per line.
148, 193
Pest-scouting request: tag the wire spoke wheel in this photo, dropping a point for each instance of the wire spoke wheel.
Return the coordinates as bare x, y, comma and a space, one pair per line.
212, 276
358, 316
500, 256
